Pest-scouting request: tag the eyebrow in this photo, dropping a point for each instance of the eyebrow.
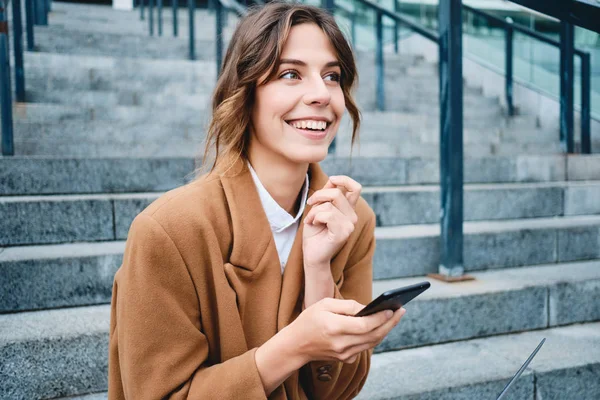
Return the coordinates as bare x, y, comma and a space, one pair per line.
303, 64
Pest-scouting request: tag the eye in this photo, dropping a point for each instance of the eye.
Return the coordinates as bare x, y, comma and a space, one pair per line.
290, 75
334, 77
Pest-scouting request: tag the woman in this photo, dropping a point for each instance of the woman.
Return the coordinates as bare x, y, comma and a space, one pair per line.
243, 284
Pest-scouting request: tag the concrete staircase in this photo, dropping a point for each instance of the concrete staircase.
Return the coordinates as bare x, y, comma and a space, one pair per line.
105, 135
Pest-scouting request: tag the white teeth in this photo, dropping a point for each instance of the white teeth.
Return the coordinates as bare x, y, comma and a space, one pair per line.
307, 124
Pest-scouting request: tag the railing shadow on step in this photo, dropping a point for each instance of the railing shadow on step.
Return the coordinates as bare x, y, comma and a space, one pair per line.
36, 13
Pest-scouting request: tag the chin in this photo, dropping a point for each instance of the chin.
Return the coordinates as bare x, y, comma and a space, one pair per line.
312, 154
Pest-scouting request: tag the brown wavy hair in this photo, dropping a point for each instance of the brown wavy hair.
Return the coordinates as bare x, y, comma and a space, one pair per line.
255, 50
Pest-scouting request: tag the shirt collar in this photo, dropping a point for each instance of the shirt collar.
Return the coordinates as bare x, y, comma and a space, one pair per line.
279, 219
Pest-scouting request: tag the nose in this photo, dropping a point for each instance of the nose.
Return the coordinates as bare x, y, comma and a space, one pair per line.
317, 92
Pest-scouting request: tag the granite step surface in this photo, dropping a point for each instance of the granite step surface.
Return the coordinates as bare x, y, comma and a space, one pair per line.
67, 175
74, 274
113, 98
480, 368
566, 367
550, 296
57, 218
70, 40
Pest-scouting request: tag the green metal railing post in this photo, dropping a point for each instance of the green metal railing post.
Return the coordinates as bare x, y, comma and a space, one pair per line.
30, 21
380, 89
586, 140
396, 26
41, 12
451, 140
566, 86
151, 17
18, 51
174, 7
5, 89
191, 11
142, 9
509, 70
159, 7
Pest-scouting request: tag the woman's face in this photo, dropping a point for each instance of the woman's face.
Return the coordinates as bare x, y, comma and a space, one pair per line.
296, 115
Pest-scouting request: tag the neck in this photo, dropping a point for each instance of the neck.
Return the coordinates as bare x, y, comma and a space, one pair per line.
282, 180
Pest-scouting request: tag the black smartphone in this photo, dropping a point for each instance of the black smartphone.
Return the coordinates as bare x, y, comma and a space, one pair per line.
394, 299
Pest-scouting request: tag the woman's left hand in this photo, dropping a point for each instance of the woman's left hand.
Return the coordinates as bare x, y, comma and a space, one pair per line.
330, 221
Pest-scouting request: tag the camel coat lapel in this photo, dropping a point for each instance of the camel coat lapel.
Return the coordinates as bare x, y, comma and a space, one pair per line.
254, 270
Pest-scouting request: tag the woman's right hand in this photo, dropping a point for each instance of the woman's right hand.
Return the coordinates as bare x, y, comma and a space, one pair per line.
328, 330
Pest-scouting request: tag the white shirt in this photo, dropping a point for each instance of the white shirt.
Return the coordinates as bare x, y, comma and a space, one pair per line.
283, 225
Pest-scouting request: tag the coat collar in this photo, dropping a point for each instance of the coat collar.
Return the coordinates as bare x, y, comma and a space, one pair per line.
253, 239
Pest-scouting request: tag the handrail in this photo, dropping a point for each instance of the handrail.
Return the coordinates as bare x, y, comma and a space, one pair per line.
6, 103
519, 28
509, 27
399, 18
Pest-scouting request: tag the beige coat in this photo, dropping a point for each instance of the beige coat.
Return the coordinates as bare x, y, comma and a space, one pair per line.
200, 288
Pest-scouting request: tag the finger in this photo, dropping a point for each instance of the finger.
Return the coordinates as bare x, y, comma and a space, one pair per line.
361, 342
376, 335
328, 214
323, 207
355, 351
373, 321
341, 307
353, 188
337, 198
351, 360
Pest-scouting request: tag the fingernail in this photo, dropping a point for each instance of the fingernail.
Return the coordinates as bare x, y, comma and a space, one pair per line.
388, 314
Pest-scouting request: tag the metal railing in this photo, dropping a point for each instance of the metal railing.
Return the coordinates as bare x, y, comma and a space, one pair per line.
399, 20
36, 12
222, 7
509, 29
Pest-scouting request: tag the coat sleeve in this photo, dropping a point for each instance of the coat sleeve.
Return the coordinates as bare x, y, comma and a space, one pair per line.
337, 380
157, 348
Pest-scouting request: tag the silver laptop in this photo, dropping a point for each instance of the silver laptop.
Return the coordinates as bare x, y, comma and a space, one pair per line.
520, 371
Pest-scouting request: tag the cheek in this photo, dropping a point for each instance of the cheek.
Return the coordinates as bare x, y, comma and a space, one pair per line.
338, 103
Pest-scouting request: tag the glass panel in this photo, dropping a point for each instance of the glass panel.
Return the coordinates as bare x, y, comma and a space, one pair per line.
589, 41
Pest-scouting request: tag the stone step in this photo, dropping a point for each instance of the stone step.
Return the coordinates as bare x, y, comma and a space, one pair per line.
401, 149
67, 40
546, 376
50, 175
49, 71
105, 13
566, 367
60, 122
99, 98
152, 140
488, 245
509, 300
58, 119
129, 22
421, 204
49, 354
61, 342
58, 218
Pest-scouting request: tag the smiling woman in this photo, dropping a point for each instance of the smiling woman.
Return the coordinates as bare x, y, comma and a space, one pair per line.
244, 283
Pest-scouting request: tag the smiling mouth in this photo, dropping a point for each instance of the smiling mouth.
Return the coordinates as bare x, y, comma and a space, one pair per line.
310, 125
